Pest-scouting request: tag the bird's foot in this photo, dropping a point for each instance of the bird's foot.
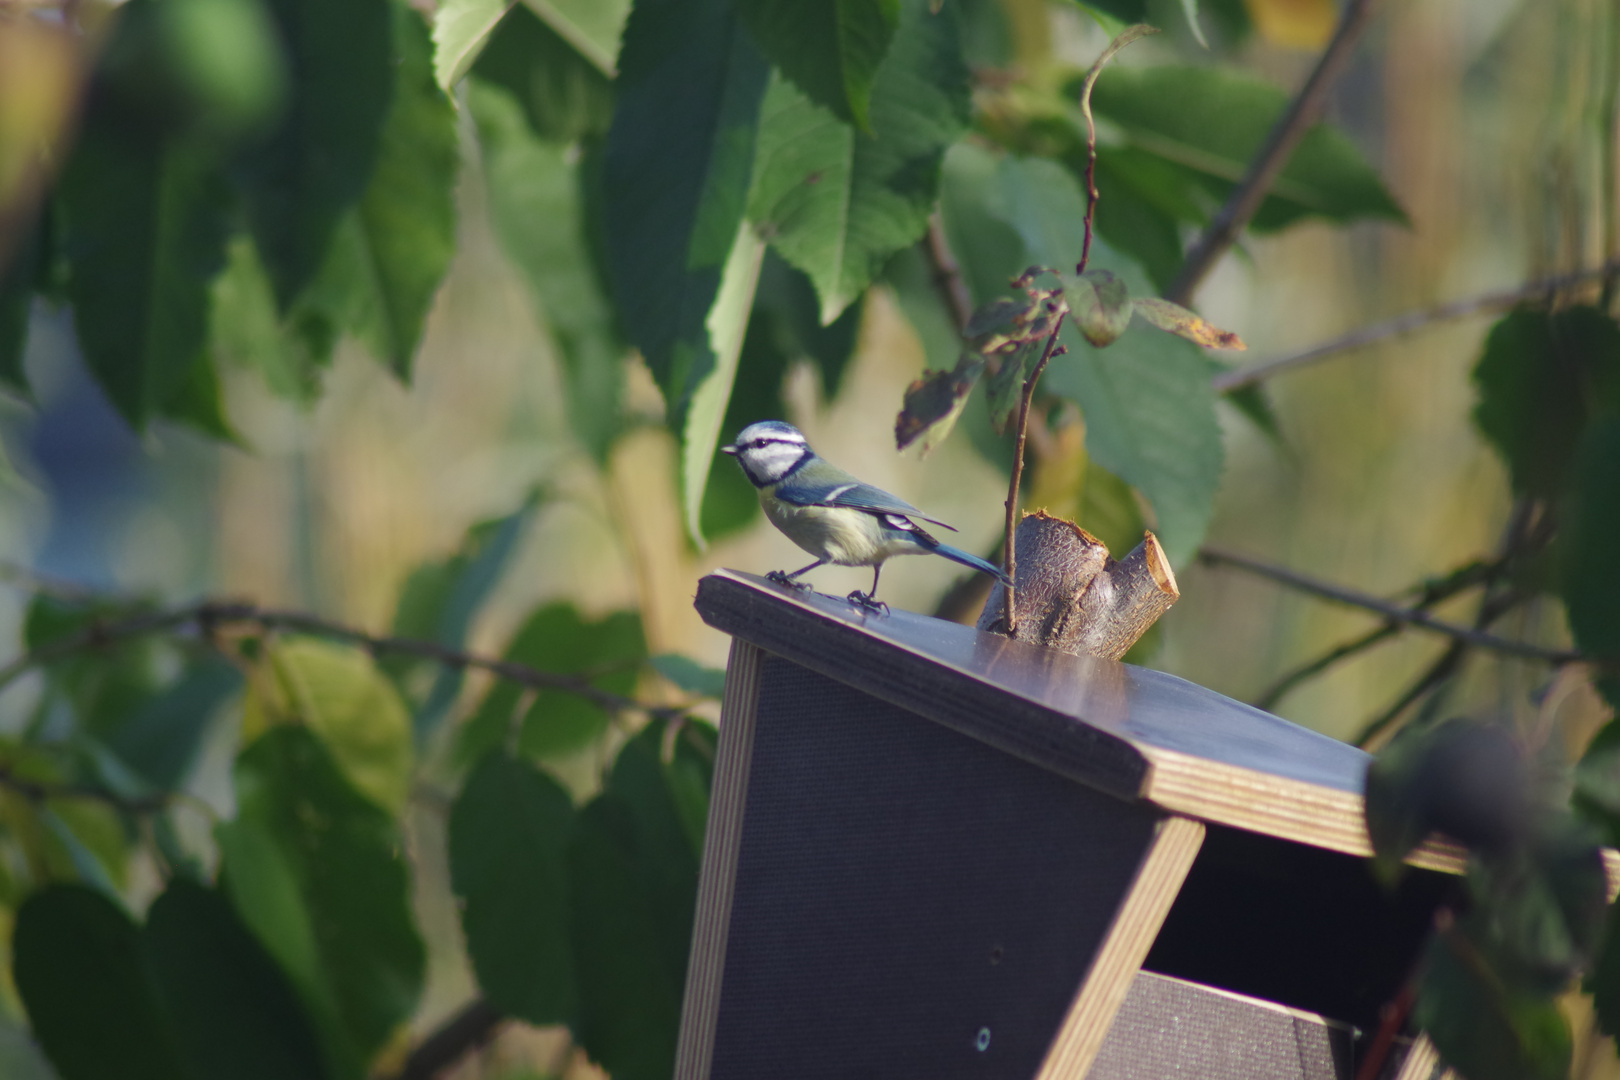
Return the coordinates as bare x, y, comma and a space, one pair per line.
781, 577
870, 603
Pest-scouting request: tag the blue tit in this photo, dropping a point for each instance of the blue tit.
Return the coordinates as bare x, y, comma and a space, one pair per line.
831, 514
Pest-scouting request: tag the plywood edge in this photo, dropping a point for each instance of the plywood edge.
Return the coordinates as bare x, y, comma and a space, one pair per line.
1158, 879
1276, 806
718, 875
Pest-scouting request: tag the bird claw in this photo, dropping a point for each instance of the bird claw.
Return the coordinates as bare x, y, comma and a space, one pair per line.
781, 577
870, 603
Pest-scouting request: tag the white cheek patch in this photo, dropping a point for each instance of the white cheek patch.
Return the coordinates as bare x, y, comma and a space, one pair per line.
773, 460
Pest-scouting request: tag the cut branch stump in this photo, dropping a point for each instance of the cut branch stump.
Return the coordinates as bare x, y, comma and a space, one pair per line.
1072, 596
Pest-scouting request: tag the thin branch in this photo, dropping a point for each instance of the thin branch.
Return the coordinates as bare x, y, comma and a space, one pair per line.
210, 615
471, 1027
1412, 321
948, 273
1009, 549
1401, 616
1279, 146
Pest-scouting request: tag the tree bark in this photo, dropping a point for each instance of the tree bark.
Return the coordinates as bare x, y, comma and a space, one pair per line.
1073, 597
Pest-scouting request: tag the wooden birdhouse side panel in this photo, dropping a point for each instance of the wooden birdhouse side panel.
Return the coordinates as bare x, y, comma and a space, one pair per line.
906, 901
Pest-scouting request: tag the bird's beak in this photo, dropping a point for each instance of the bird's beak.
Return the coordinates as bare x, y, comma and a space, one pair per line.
729, 449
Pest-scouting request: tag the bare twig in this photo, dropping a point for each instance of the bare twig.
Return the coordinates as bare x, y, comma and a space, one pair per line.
1126, 36
209, 615
948, 273
1401, 616
1412, 321
1295, 121
471, 1027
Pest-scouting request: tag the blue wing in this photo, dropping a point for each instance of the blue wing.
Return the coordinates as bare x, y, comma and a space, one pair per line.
827, 485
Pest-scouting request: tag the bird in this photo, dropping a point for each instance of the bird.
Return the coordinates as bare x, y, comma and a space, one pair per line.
831, 514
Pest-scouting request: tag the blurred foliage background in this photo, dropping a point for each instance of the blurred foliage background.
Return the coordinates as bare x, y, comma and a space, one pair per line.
486, 463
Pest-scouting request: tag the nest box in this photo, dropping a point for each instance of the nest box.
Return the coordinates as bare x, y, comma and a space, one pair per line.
936, 853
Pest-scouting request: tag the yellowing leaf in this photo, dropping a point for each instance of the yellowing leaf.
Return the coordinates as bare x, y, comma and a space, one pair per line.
1183, 323
1099, 303
933, 403
1294, 24
337, 691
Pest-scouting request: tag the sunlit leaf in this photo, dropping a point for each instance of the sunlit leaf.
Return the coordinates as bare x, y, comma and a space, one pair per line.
838, 203
831, 51
933, 403
509, 833
1183, 323
340, 694
461, 30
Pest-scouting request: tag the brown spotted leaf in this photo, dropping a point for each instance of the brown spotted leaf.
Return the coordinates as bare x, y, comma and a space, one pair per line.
1183, 323
933, 403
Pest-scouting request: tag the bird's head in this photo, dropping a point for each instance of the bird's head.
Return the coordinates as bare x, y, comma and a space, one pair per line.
769, 450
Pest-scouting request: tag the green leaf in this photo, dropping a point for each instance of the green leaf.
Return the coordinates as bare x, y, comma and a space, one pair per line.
1603, 981
690, 675
344, 856
233, 1012
509, 833
301, 181
975, 212
1211, 121
564, 95
79, 967
1150, 420
246, 330
263, 888
594, 27
1129, 213
536, 207
555, 638
1109, 510
406, 220
440, 600
162, 737
145, 224
1597, 781
461, 30
1099, 304
1542, 376
339, 693
831, 51
674, 180
838, 203
1591, 578
16, 300
1483, 1027
633, 864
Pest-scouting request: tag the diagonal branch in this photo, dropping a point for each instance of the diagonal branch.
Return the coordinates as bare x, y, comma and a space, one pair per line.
210, 615
1227, 381
1394, 613
1279, 146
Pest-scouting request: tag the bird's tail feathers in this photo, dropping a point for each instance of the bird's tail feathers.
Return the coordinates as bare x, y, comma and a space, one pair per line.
960, 556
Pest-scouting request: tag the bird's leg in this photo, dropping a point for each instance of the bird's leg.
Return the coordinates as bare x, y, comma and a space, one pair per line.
782, 578
869, 601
